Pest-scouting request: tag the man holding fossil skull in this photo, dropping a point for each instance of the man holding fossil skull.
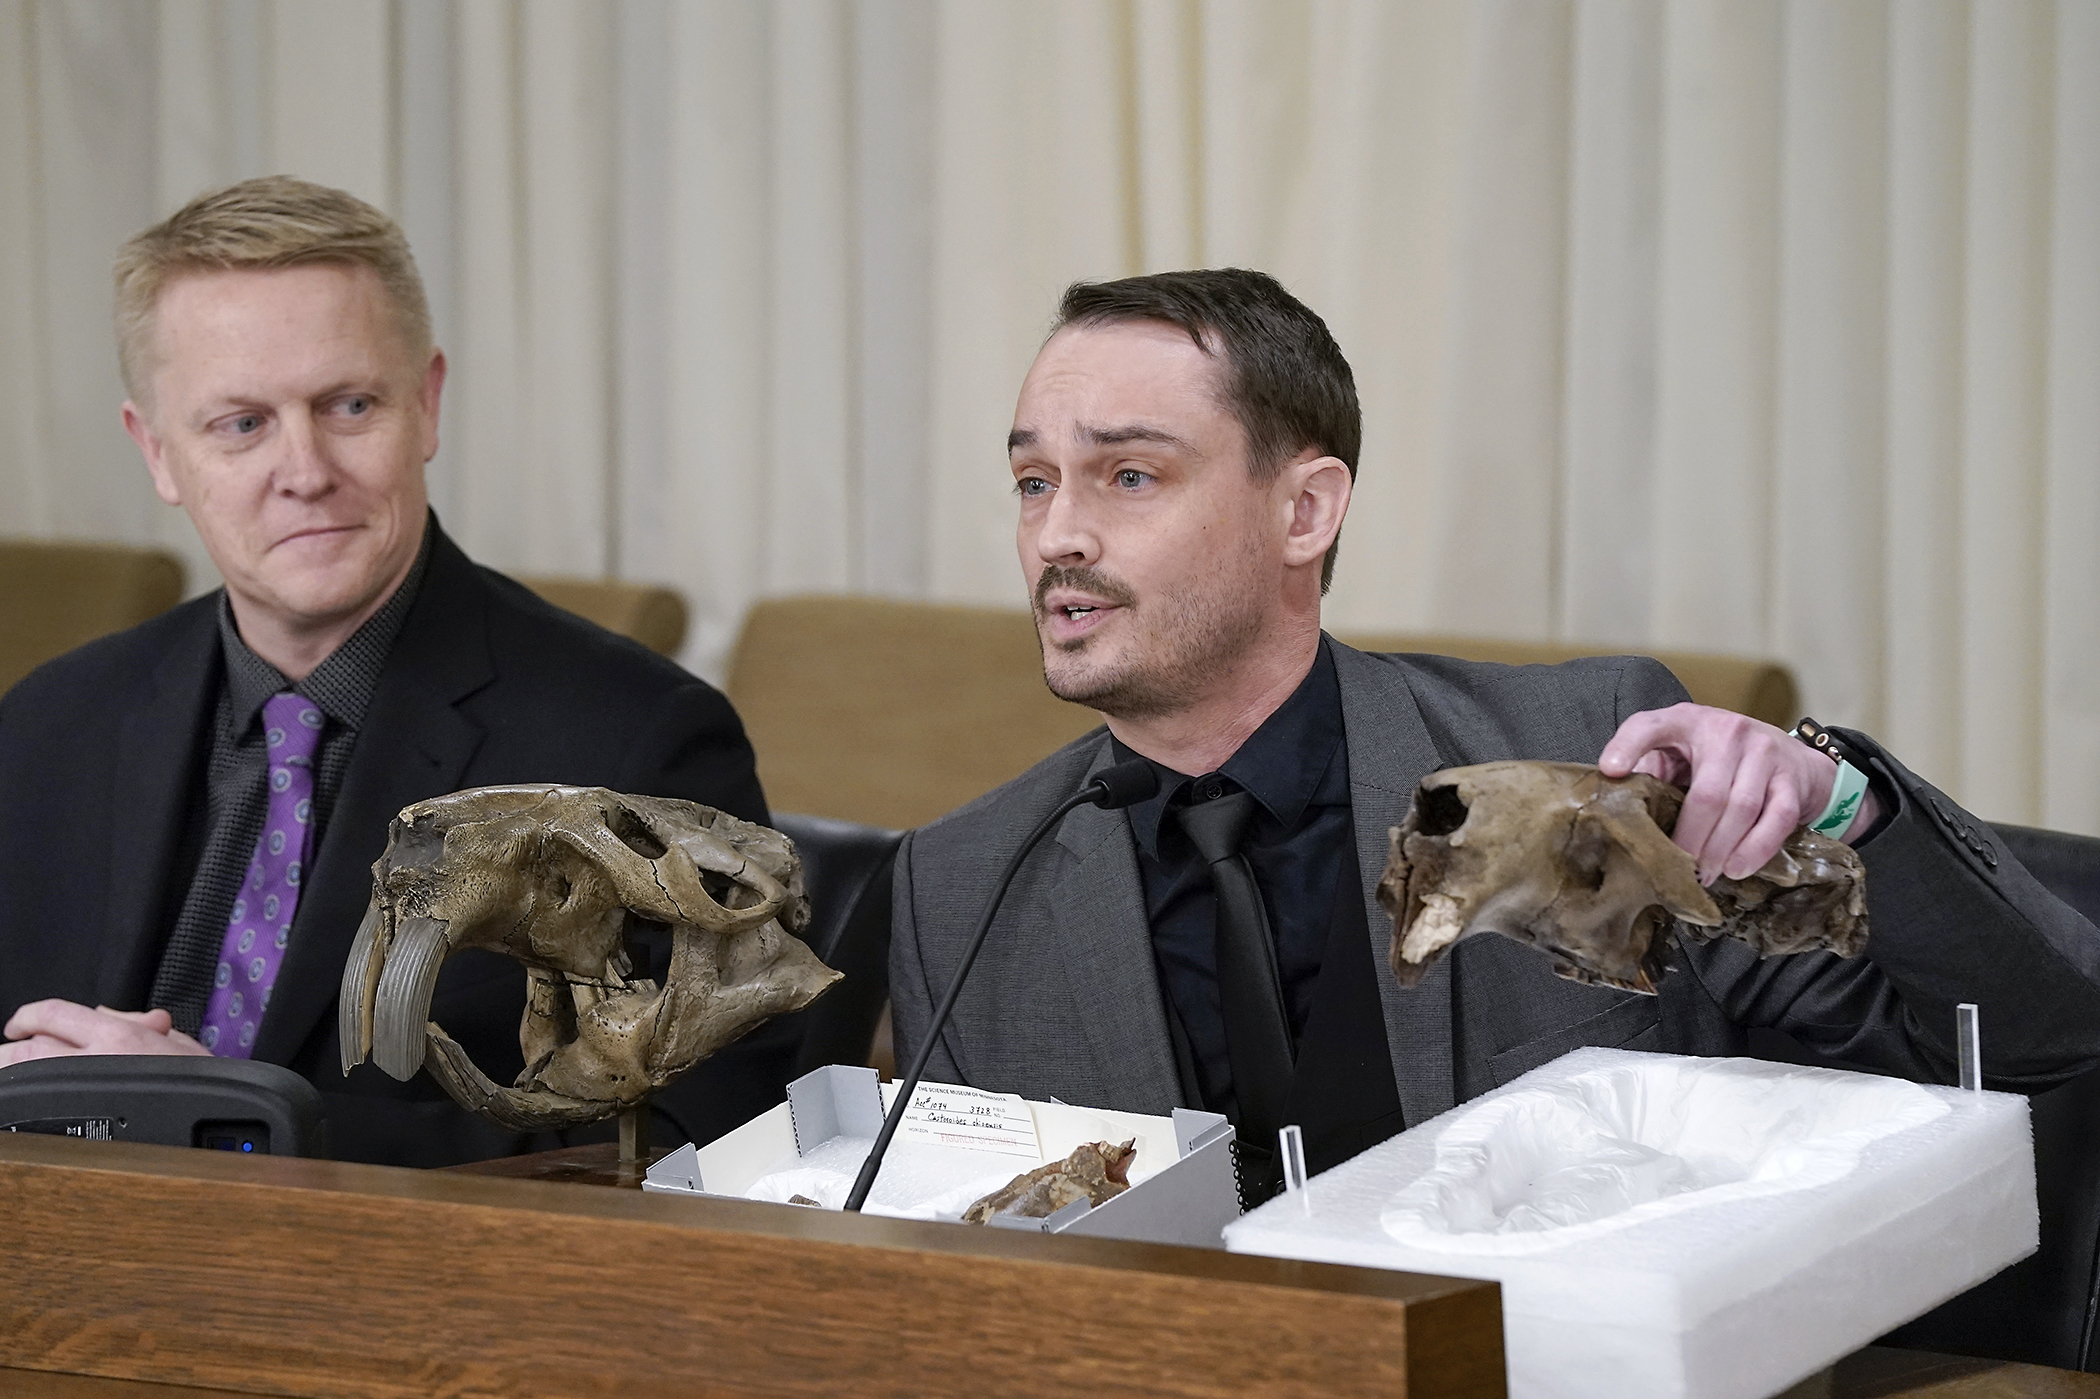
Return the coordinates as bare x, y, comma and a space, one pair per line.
1183, 450
190, 810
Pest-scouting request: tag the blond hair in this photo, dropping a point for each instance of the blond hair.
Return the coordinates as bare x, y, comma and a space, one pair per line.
274, 221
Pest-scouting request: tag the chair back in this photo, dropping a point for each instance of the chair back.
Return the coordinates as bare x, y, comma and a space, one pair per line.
59, 594
1759, 688
893, 713
646, 612
846, 871
2042, 1309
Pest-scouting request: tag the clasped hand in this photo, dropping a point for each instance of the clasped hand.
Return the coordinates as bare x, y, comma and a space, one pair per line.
1748, 786
45, 1029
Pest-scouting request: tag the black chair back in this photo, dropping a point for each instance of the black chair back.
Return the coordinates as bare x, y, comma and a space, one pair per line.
2042, 1309
846, 869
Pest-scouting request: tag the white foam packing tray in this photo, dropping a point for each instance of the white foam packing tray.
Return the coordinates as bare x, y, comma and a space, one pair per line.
1735, 1299
1182, 1187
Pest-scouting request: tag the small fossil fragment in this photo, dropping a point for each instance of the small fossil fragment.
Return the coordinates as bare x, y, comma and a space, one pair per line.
1096, 1172
1580, 865
804, 1200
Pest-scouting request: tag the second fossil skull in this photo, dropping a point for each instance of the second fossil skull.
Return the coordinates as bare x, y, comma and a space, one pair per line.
1581, 866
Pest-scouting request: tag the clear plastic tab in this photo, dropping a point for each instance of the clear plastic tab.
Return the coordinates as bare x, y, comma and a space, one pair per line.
1969, 1046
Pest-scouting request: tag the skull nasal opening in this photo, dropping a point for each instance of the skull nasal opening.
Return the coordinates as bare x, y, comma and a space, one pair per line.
635, 834
1439, 811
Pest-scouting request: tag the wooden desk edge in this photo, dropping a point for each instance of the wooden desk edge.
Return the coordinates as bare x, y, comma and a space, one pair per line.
416, 1275
728, 1216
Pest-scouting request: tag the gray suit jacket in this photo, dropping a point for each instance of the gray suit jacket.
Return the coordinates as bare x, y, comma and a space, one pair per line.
1065, 1001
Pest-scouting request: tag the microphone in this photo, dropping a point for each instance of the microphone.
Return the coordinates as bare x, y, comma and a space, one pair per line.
1123, 785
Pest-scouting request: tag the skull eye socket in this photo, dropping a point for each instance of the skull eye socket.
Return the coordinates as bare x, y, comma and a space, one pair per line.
634, 834
726, 891
1439, 811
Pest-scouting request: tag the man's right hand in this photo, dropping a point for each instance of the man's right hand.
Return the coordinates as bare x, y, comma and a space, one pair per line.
44, 1029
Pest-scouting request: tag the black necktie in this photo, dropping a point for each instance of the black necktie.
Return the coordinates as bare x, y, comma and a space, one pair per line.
1257, 1034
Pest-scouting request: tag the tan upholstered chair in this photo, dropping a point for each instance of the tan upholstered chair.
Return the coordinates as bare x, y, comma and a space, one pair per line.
59, 594
892, 713
1761, 689
644, 612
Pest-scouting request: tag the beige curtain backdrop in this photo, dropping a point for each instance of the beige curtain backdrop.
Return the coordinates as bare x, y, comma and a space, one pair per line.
1768, 326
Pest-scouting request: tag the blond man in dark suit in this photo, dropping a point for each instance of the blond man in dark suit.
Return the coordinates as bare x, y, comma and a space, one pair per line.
284, 392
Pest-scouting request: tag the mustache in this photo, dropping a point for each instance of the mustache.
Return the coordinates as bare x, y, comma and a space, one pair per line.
1086, 580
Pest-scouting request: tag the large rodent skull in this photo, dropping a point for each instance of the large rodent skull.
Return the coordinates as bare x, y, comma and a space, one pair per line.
557, 877
1580, 865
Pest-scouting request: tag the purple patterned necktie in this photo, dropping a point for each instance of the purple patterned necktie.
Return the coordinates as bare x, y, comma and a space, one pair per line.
261, 924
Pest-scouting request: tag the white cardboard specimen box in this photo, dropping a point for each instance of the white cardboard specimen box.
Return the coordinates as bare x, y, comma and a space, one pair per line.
1667, 1226
956, 1145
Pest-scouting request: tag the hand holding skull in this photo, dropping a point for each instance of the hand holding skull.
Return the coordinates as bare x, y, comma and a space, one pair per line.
1580, 865
557, 878
1747, 786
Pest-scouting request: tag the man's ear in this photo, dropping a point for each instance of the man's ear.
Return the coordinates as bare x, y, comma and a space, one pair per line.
1318, 490
431, 390
153, 450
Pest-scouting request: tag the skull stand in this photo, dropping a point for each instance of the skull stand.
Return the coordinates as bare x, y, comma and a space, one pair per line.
634, 1137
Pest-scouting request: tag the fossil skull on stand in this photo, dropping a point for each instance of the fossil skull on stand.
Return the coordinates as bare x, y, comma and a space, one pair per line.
1580, 865
558, 878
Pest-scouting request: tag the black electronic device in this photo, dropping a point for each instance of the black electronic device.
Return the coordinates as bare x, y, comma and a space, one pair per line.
1125, 784
166, 1100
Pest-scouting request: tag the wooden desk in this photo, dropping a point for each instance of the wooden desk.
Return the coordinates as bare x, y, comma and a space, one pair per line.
376, 1282
312, 1278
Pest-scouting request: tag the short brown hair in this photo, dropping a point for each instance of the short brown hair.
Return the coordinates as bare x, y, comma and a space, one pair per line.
1283, 377
274, 221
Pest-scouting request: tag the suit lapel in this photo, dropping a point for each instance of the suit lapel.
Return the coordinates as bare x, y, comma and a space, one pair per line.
158, 743
1098, 905
414, 743
1390, 749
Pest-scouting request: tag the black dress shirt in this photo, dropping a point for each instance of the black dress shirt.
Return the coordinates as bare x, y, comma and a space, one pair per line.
1301, 849
235, 798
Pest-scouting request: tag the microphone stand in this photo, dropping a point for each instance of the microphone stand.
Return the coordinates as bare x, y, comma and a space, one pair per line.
1119, 786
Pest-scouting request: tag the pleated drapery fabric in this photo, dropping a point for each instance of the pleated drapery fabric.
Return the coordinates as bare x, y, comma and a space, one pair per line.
1768, 326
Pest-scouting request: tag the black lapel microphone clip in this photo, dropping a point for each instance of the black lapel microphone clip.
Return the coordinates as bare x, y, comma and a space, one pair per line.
1113, 788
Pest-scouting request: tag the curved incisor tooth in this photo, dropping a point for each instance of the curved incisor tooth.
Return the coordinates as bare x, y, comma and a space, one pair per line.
353, 1009
401, 1007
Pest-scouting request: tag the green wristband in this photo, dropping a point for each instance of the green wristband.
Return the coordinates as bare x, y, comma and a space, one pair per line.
1847, 794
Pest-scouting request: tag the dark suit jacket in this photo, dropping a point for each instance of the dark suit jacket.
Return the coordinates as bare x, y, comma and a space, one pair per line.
102, 756
1065, 999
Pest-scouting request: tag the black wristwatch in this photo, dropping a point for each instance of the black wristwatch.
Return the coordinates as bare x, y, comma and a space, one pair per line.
1823, 741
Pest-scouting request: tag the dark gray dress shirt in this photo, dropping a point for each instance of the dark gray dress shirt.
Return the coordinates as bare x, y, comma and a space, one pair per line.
235, 795
1297, 767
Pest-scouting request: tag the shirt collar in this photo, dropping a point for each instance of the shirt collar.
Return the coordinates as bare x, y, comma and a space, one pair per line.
1282, 762
342, 684
250, 680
